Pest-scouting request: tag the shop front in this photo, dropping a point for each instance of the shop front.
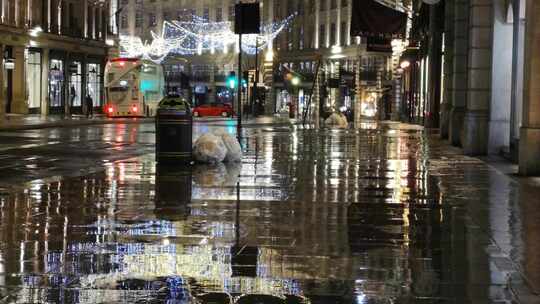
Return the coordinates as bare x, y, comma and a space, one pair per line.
56, 86
33, 80
75, 73
94, 88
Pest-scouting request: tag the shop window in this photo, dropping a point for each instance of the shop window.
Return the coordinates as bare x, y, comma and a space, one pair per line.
33, 80
75, 73
93, 88
332, 34
138, 19
219, 14
322, 34
56, 83
124, 21
344, 35
152, 19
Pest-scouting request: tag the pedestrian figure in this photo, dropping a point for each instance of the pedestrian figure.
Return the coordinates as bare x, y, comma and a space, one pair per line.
73, 94
89, 106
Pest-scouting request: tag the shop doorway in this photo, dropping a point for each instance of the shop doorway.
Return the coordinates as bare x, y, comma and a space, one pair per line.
56, 87
33, 80
9, 64
93, 88
75, 87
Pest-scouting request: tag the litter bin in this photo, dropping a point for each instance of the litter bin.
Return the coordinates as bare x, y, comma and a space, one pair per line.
174, 127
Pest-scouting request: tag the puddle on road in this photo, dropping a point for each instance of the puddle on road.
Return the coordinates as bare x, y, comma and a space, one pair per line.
332, 216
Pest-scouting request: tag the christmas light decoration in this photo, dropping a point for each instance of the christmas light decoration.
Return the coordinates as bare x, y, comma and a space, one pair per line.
196, 37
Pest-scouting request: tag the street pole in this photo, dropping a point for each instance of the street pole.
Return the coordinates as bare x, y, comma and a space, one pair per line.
239, 85
256, 78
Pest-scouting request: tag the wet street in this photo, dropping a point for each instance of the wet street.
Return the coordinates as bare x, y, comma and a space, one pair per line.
374, 215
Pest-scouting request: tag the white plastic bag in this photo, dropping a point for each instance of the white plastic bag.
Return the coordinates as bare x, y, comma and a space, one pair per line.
234, 150
337, 120
210, 149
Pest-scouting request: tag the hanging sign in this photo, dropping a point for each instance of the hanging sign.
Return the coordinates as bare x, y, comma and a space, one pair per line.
9, 64
372, 19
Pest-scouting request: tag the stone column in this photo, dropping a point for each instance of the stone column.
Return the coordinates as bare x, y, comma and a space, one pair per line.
435, 65
317, 21
131, 17
529, 143
45, 81
159, 17
446, 105
349, 18
20, 98
459, 76
475, 126
2, 93
501, 80
518, 53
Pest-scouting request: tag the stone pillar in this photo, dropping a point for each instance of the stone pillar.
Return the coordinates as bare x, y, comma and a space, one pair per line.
448, 68
459, 76
349, 18
529, 143
518, 54
435, 65
318, 42
45, 81
159, 17
501, 80
476, 127
2, 93
20, 98
131, 17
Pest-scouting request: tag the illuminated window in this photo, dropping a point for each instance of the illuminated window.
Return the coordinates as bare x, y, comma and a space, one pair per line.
219, 14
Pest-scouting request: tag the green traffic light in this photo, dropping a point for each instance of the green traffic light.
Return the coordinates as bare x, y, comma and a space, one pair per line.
232, 83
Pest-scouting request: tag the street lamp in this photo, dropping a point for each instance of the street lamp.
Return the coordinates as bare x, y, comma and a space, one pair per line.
405, 64
295, 81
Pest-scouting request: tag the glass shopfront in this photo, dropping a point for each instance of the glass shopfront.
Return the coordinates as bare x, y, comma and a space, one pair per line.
93, 79
56, 86
33, 80
75, 88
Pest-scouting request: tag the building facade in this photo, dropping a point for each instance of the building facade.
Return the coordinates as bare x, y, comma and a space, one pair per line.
53, 55
317, 42
482, 59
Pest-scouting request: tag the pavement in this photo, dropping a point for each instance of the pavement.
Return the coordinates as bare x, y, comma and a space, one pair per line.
13, 122
381, 213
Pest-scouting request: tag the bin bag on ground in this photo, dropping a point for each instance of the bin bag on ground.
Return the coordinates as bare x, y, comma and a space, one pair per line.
234, 150
337, 120
209, 149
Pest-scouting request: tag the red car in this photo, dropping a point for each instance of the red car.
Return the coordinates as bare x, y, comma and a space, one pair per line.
213, 109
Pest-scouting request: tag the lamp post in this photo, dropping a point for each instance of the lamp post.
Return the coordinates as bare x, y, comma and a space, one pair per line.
295, 81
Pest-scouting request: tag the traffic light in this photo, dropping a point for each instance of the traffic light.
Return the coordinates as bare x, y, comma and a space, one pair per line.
231, 80
245, 79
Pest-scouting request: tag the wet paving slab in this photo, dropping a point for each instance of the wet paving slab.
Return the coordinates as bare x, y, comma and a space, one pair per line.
382, 214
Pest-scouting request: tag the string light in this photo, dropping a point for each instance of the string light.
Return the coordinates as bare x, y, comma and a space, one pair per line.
196, 37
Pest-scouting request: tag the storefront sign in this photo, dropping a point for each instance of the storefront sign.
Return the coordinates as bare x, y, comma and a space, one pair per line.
372, 19
381, 45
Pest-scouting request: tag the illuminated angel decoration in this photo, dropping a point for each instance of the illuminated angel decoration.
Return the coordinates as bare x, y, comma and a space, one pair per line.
198, 36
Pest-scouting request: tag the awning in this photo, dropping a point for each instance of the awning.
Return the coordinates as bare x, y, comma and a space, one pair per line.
372, 19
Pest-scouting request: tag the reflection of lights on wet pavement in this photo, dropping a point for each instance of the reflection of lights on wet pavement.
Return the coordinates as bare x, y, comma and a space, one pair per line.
350, 214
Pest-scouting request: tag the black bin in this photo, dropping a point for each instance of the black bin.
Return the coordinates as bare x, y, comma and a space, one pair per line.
174, 127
